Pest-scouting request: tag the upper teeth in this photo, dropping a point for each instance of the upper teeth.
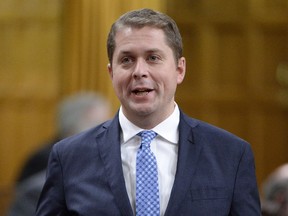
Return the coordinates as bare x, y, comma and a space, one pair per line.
142, 92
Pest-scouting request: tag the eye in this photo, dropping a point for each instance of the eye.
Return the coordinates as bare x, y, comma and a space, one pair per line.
126, 60
153, 58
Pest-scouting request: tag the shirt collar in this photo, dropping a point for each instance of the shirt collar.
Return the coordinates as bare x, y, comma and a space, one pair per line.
168, 129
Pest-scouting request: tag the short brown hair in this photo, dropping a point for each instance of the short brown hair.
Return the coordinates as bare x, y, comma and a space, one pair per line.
147, 17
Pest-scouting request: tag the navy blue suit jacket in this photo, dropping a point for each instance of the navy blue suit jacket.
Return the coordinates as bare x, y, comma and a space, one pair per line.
215, 174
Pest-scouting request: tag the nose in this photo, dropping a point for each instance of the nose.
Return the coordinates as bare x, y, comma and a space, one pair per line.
140, 69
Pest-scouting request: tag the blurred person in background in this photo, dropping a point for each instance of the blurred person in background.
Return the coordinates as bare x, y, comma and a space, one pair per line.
75, 114
275, 193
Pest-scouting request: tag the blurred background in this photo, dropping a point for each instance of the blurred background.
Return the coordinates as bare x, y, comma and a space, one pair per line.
237, 70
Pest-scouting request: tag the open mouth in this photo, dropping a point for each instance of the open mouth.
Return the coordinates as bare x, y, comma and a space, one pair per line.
141, 92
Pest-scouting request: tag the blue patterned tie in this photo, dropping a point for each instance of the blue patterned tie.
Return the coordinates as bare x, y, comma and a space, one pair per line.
147, 191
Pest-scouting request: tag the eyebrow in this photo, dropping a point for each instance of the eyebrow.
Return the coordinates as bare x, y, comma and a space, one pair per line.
154, 50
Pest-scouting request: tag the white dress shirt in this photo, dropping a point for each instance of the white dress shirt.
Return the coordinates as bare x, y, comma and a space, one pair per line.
164, 147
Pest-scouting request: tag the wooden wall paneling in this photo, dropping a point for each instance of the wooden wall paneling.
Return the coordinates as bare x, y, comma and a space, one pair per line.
269, 11
208, 61
232, 115
256, 121
274, 51
188, 92
191, 11
256, 134
231, 74
224, 10
159, 5
268, 47
30, 36
70, 64
37, 70
276, 138
228, 78
8, 153
8, 150
240, 45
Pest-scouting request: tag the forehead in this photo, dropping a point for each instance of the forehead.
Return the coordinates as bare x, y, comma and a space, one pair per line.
140, 38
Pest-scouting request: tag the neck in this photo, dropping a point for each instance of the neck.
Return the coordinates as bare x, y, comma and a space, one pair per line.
148, 121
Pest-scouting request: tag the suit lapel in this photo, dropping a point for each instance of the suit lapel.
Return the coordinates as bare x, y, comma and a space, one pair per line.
188, 154
109, 148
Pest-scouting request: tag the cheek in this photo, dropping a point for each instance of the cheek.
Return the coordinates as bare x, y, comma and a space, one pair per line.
120, 81
172, 82
169, 83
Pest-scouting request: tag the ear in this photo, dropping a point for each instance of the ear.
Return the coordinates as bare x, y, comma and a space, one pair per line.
110, 70
181, 70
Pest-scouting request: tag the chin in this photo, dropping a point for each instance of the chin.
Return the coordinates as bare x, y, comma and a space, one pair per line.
142, 110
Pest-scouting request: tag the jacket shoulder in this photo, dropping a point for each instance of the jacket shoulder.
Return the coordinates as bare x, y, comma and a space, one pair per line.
209, 131
83, 139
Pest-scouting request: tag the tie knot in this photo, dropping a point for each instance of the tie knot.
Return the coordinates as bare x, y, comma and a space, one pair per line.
147, 136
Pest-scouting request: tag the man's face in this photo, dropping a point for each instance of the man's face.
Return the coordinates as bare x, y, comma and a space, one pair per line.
145, 74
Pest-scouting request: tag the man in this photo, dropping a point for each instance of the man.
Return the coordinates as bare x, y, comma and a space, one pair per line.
200, 169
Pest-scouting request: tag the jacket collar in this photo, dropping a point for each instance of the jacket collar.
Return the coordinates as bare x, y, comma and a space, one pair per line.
188, 154
109, 148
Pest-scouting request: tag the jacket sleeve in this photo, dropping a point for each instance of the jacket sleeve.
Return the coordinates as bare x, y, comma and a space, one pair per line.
52, 199
246, 197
